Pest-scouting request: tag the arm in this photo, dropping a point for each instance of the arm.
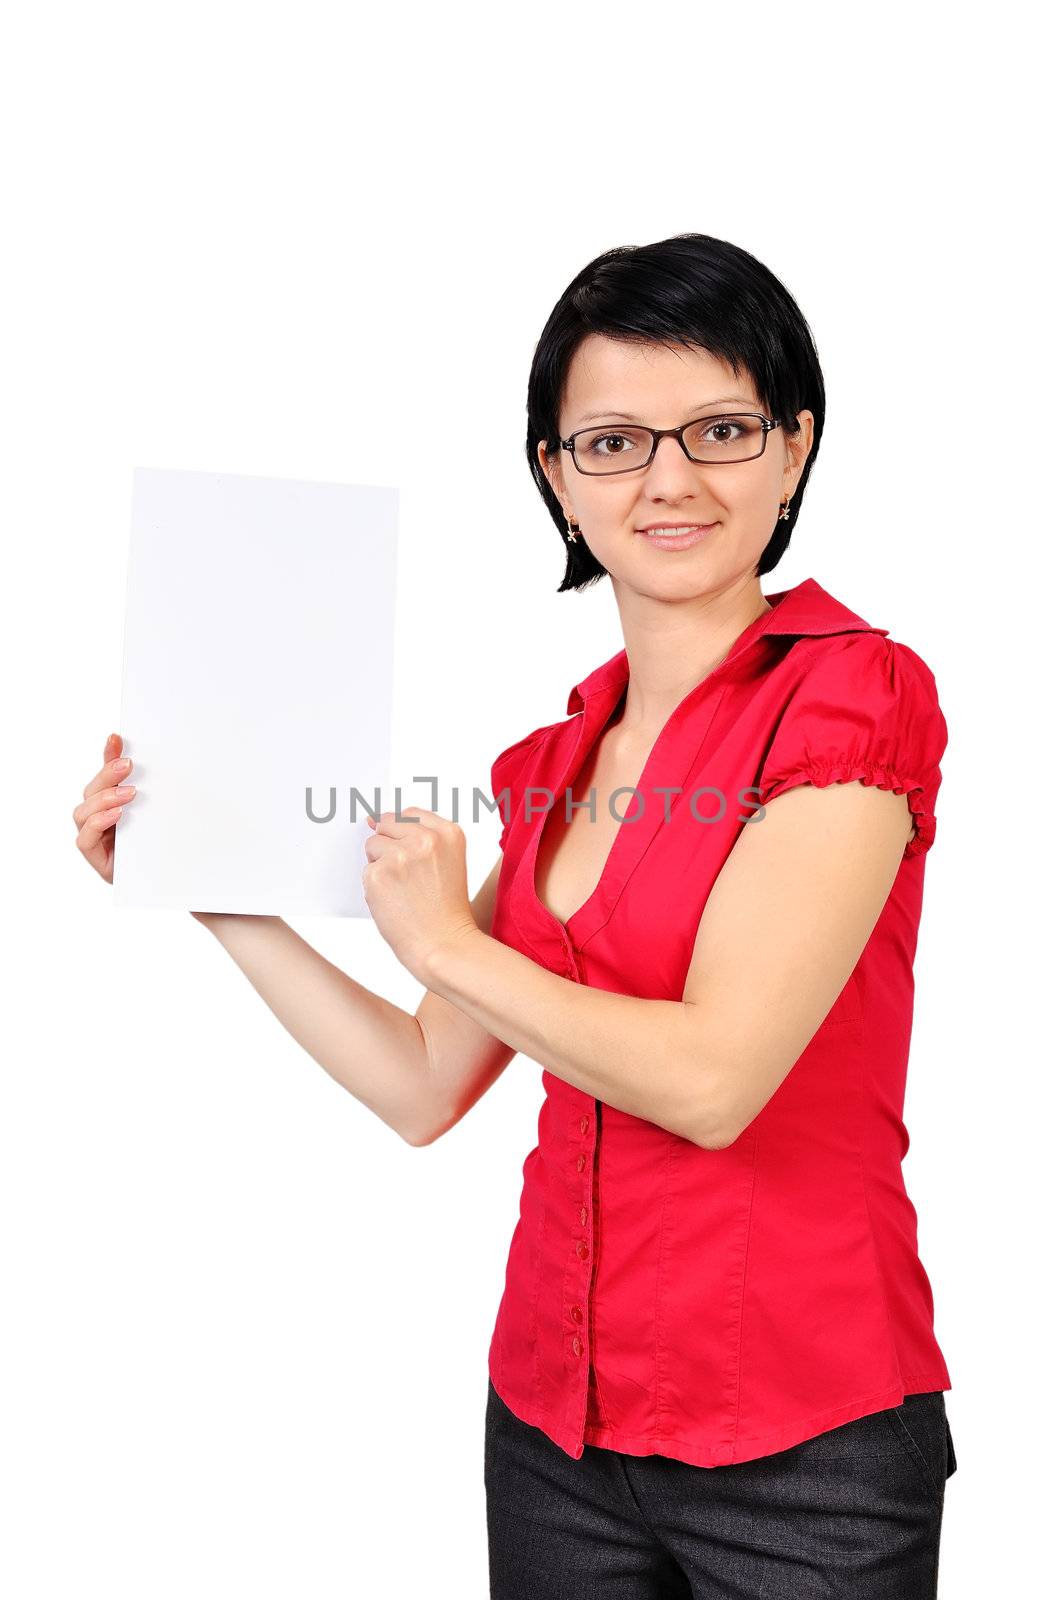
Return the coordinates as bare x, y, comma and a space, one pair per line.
410, 1070
785, 924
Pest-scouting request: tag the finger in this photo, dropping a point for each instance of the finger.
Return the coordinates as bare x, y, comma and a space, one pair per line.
89, 839
412, 816
115, 769
112, 800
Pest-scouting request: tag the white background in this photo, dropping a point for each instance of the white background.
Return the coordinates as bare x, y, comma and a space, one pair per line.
246, 1327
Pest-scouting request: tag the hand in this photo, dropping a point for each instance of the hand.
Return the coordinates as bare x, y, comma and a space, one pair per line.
102, 805
416, 884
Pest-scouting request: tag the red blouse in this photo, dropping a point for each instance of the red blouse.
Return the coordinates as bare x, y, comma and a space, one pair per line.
718, 1305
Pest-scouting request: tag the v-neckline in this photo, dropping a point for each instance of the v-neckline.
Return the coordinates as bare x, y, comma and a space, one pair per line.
630, 843
583, 749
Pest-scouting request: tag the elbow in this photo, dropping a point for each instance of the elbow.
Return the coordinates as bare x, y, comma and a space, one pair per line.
715, 1123
724, 1105
705, 1083
716, 1136
428, 1132
418, 1138
425, 1121
709, 1126
721, 1121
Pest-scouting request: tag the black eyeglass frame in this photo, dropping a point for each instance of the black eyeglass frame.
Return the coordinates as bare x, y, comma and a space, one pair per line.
766, 425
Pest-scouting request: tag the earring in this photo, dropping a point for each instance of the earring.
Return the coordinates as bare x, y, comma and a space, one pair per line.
573, 529
784, 510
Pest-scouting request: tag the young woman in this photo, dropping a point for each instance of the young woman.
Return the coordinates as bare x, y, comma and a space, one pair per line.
714, 1369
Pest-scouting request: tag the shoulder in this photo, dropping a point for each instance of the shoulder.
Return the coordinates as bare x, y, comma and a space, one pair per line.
860, 660
858, 707
512, 767
513, 757
859, 687
510, 762
861, 676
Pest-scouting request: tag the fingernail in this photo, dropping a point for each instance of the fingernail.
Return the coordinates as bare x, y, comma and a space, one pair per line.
123, 761
125, 790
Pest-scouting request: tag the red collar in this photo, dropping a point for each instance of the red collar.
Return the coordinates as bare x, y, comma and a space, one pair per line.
805, 610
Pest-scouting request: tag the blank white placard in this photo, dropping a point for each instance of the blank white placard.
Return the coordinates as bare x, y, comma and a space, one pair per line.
258, 664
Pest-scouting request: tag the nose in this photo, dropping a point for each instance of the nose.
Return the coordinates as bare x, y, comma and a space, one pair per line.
671, 475
671, 458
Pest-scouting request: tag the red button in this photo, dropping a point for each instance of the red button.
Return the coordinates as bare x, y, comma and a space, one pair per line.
577, 1344
582, 1214
576, 1313
581, 1162
584, 1124
582, 1251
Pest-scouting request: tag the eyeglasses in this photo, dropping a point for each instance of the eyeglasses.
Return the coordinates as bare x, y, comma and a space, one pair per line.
732, 436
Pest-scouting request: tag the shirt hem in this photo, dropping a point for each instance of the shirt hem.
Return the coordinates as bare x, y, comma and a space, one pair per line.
699, 1453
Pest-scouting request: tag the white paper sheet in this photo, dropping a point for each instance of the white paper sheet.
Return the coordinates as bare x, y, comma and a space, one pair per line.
258, 664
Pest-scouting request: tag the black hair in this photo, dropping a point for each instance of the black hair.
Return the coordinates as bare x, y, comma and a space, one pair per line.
694, 290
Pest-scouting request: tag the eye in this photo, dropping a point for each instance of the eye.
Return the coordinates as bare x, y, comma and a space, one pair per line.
613, 438
725, 430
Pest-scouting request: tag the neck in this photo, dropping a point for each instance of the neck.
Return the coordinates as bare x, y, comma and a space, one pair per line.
671, 646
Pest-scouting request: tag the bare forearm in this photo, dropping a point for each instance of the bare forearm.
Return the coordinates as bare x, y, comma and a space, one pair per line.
640, 1056
376, 1050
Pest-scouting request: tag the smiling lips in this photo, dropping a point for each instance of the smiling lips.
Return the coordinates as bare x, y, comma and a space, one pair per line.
676, 537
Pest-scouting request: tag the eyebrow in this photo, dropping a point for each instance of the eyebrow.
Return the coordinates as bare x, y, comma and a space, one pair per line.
625, 416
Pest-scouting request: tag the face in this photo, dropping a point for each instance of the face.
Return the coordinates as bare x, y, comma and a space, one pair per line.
735, 504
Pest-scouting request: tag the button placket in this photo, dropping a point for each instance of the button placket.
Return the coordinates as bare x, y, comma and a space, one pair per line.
582, 1248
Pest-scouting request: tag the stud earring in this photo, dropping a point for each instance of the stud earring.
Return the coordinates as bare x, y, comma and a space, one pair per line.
784, 510
573, 529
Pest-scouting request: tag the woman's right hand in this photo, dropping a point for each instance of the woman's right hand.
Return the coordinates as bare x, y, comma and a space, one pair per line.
105, 796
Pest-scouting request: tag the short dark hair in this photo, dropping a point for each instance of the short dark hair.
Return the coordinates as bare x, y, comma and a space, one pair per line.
694, 290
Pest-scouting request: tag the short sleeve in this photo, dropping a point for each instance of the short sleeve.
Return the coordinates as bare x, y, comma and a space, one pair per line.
866, 711
508, 781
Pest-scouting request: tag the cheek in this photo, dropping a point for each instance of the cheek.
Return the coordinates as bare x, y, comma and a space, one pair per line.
754, 515
749, 497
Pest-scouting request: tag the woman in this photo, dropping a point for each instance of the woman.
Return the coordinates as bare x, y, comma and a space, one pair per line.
714, 1368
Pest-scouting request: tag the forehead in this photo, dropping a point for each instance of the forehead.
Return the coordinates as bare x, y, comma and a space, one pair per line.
607, 375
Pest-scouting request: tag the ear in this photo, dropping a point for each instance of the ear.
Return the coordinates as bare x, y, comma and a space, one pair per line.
551, 466
798, 446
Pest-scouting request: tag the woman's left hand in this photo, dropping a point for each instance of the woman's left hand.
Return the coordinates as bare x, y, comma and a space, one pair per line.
416, 884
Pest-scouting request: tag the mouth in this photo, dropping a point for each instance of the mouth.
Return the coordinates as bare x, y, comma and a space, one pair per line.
676, 536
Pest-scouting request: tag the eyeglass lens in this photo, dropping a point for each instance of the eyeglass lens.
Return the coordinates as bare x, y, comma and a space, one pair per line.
733, 437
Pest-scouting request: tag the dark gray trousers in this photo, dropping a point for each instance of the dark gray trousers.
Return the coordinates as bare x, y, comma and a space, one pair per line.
855, 1512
